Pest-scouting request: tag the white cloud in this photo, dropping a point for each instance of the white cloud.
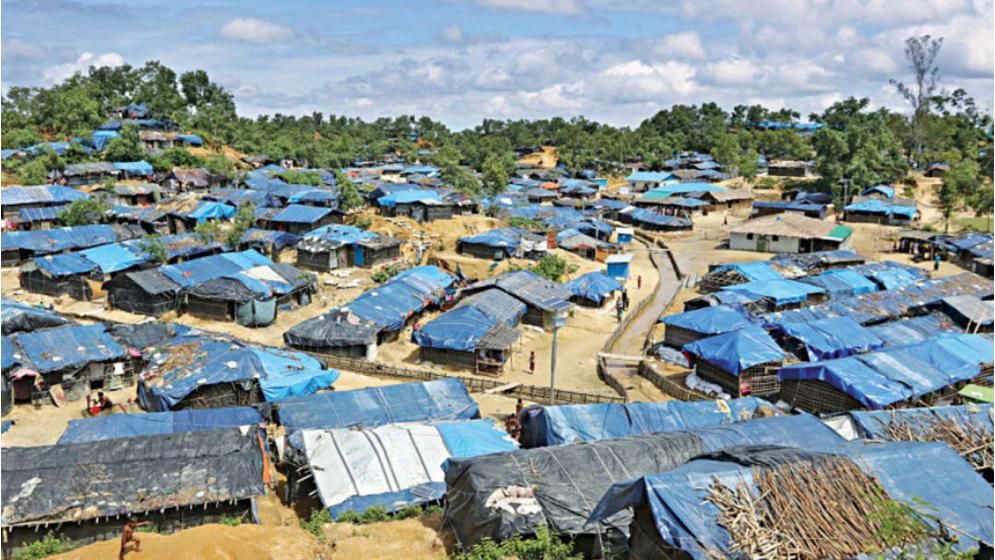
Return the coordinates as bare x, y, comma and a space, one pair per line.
635, 81
453, 34
734, 71
60, 72
257, 31
682, 45
561, 7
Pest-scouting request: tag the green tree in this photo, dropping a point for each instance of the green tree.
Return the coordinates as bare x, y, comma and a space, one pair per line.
175, 157
244, 219
82, 212
727, 153
36, 171
220, 165
921, 53
461, 179
349, 197
495, 174
947, 199
127, 146
154, 246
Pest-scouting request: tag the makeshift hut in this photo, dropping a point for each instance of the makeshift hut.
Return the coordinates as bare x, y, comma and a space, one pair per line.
17, 317
420, 205
743, 362
85, 490
18, 246
913, 329
889, 211
117, 426
689, 326
13, 200
77, 174
543, 426
277, 245
842, 282
395, 465
251, 297
593, 288
299, 219
340, 246
499, 244
805, 208
391, 305
542, 297
684, 513
827, 339
651, 221
337, 333
200, 371
196, 179
777, 295
720, 276
503, 495
930, 371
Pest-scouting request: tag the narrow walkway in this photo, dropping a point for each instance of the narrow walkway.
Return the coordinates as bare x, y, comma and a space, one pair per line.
632, 339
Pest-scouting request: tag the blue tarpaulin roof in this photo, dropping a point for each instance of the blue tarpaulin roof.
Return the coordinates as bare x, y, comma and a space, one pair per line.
191, 139
190, 273
208, 210
914, 473
907, 331
190, 361
886, 190
68, 347
134, 167
841, 282
835, 337
40, 194
278, 239
459, 330
781, 291
115, 257
593, 286
531, 288
133, 425
7, 359
496, 304
895, 374
874, 424
42, 214
442, 399
341, 233
802, 206
651, 176
737, 350
876, 206
301, 214
889, 274
555, 425
407, 197
390, 305
754, 271
65, 264
506, 238
640, 215
716, 319
17, 316
44, 241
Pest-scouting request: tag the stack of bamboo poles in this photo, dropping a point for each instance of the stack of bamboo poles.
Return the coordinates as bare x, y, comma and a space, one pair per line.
969, 437
828, 508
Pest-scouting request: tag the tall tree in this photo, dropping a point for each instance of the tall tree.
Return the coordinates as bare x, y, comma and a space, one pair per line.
921, 53
126, 146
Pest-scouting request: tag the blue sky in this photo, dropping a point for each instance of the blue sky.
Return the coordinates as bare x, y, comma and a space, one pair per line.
460, 61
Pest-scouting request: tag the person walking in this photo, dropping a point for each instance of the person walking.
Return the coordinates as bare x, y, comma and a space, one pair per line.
532, 362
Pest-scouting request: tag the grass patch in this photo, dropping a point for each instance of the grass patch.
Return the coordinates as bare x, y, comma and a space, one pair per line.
49, 545
978, 223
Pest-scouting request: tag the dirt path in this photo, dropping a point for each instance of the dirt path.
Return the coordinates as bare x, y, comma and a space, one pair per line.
633, 338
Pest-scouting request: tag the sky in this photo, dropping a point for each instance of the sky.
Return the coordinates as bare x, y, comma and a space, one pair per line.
460, 61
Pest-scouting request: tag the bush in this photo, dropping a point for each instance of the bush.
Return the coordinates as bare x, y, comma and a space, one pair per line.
381, 275
231, 521
378, 514
530, 224
553, 267
50, 545
311, 178
82, 212
363, 222
545, 546
316, 523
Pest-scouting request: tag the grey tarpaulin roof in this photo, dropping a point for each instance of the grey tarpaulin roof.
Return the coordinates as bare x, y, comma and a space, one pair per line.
530, 288
333, 329
74, 482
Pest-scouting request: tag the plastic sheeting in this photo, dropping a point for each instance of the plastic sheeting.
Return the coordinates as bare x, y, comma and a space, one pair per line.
556, 425
115, 257
782, 291
301, 214
896, 374
716, 319
501, 495
133, 425
134, 167
407, 293
395, 465
208, 210
737, 350
79, 481
756, 271
835, 337
7, 351
68, 347
593, 286
43, 241
841, 282
509, 240
189, 362
17, 317
408, 197
190, 273
531, 288
442, 399
907, 331
877, 206
915, 473
40, 194
874, 424
459, 330
496, 304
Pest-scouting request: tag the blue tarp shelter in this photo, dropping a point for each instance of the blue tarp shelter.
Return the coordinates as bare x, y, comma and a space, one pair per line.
686, 188
68, 347
42, 214
835, 337
134, 168
738, 350
459, 330
133, 425
914, 329
883, 207
190, 362
301, 214
390, 305
896, 374
716, 319
40, 194
890, 275
442, 399
886, 191
115, 257
781, 292
343, 234
64, 264
914, 473
873, 424
44, 241
555, 425
497, 305
17, 316
190, 273
594, 287
408, 197
841, 282
507, 239
754, 271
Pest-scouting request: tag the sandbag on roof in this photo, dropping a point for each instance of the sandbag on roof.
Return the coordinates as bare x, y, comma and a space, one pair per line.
442, 399
501, 495
737, 350
191, 361
835, 337
593, 286
80, 481
131, 425
895, 374
555, 425
395, 465
17, 317
716, 319
914, 473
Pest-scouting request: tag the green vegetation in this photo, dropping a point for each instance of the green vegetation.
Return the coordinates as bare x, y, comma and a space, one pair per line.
231, 521
385, 273
363, 222
901, 524
127, 146
153, 245
82, 212
378, 514
311, 178
244, 219
208, 232
315, 524
553, 267
175, 157
985, 224
50, 545
545, 546
349, 197
530, 224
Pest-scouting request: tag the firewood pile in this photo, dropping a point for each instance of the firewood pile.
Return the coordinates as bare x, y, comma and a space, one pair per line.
968, 436
828, 508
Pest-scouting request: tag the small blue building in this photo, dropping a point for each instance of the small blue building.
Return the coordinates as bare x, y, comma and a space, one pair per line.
617, 266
